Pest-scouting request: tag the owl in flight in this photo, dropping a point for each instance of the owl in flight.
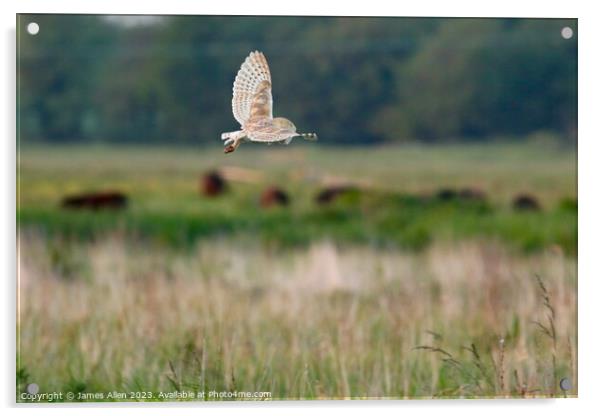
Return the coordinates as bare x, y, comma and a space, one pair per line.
252, 108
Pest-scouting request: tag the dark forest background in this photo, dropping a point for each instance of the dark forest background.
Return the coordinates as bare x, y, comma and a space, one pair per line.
168, 80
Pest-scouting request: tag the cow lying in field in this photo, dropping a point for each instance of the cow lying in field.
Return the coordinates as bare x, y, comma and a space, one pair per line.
274, 196
96, 201
212, 184
331, 193
526, 202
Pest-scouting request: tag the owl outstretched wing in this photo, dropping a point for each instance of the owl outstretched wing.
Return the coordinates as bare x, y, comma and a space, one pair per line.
252, 91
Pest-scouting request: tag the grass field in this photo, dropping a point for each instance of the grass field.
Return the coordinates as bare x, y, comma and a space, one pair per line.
388, 292
395, 209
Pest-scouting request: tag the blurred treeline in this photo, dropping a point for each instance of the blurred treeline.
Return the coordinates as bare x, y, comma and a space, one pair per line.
351, 80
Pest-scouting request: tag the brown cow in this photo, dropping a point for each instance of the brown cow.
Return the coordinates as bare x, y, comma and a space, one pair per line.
96, 201
212, 184
273, 196
330, 194
526, 202
446, 194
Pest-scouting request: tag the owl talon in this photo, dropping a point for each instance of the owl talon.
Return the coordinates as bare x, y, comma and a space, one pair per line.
229, 149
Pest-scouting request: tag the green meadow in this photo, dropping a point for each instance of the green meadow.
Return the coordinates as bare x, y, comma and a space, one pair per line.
394, 204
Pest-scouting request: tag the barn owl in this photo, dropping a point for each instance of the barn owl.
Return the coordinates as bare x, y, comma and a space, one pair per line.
252, 108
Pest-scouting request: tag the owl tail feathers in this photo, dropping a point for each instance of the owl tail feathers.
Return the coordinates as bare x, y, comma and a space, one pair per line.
312, 137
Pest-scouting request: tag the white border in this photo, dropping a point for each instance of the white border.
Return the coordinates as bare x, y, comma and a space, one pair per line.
590, 139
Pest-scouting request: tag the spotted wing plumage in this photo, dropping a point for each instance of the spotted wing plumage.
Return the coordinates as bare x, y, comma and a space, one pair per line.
252, 91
